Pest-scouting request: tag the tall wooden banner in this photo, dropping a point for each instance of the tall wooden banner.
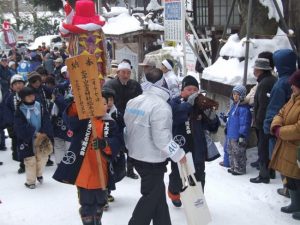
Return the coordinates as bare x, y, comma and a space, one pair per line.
87, 94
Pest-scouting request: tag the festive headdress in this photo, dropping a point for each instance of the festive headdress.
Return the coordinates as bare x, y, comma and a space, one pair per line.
82, 20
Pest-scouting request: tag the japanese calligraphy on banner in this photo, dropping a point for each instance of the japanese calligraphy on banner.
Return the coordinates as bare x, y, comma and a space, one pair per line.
174, 20
190, 57
86, 86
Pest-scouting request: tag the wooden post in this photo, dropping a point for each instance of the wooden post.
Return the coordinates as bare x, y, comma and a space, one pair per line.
249, 20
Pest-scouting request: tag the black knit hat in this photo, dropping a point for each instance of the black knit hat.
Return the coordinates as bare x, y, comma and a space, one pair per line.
295, 79
25, 92
189, 81
108, 92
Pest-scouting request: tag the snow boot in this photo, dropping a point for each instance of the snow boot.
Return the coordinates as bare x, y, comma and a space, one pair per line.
295, 203
296, 215
98, 216
40, 179
284, 192
175, 198
88, 220
30, 186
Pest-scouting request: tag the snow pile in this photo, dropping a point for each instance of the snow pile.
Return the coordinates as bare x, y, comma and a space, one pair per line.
153, 6
155, 26
272, 10
115, 11
231, 71
124, 23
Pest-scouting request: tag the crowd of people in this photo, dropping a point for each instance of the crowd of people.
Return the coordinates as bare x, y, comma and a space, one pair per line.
141, 121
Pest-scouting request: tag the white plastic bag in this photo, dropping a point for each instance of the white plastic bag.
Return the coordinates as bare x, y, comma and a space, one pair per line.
193, 200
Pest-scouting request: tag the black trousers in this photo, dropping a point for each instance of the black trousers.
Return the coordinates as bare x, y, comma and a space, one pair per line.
175, 183
152, 205
263, 147
293, 184
91, 201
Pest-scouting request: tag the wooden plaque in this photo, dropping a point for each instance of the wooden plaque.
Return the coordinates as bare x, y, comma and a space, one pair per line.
86, 86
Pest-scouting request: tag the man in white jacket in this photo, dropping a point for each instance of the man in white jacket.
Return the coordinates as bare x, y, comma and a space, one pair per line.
170, 77
148, 138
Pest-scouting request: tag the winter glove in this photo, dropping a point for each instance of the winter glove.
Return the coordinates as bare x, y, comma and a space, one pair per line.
191, 98
242, 141
276, 131
210, 113
99, 143
223, 117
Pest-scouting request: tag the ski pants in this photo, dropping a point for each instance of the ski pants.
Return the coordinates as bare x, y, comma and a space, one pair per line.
237, 156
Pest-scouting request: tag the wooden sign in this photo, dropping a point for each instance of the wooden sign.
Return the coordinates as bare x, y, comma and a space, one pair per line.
86, 86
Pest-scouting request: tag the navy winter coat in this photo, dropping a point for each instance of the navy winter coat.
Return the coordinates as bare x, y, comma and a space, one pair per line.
10, 105
69, 168
60, 127
285, 63
196, 142
24, 132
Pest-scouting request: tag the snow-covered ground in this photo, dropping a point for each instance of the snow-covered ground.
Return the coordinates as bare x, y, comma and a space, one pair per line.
232, 200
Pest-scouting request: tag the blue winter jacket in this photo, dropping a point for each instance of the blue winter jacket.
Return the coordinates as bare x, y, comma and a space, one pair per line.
285, 63
239, 121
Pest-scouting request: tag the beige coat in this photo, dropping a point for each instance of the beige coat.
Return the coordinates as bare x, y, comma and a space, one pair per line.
284, 158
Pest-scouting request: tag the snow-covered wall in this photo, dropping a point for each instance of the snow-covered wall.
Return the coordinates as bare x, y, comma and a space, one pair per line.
231, 71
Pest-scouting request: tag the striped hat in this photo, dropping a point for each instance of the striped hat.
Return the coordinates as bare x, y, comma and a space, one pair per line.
241, 90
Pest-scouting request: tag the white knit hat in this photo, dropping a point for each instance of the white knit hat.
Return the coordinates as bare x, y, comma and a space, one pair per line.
16, 78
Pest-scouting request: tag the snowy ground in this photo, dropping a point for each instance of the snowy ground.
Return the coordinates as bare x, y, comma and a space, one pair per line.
232, 200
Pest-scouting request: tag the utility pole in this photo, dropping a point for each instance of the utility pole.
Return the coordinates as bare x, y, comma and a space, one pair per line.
17, 14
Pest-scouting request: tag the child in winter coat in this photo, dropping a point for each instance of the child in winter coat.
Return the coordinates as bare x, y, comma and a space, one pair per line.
189, 126
33, 130
238, 129
79, 165
11, 102
118, 163
60, 128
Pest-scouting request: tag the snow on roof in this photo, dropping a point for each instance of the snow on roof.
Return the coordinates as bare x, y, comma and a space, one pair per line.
115, 11
231, 71
48, 39
124, 23
272, 10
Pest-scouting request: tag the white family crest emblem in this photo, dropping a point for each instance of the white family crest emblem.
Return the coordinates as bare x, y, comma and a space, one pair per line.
180, 140
69, 158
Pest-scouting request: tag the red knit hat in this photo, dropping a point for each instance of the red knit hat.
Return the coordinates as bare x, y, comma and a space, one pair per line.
295, 79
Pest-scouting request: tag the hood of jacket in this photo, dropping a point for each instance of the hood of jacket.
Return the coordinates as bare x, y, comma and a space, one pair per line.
285, 62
